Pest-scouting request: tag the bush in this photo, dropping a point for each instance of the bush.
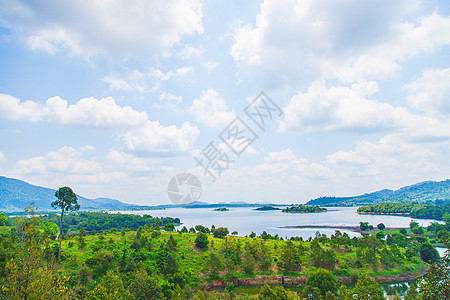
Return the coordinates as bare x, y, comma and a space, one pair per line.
403, 231
381, 226
427, 253
201, 241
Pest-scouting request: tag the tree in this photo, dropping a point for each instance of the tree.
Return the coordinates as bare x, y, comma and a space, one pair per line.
3, 219
201, 241
67, 201
413, 224
290, 257
169, 227
381, 226
323, 280
110, 287
144, 287
220, 232
437, 284
364, 226
403, 231
367, 288
427, 253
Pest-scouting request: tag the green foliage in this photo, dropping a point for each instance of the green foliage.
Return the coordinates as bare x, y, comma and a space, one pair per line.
201, 241
3, 219
110, 287
436, 285
144, 287
381, 226
415, 210
169, 227
220, 232
290, 257
364, 226
303, 209
275, 293
323, 280
428, 253
367, 288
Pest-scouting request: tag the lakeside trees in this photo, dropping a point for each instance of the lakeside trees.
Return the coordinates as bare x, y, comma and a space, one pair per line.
415, 210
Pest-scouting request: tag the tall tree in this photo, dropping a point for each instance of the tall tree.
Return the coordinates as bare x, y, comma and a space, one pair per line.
67, 201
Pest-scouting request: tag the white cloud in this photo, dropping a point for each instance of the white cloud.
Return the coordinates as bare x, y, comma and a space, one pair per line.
391, 156
118, 28
93, 113
170, 98
294, 41
189, 52
211, 65
432, 92
65, 160
2, 157
142, 135
152, 138
87, 112
347, 109
87, 148
12, 108
211, 109
138, 165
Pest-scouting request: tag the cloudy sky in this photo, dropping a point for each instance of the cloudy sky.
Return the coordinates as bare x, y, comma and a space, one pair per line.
115, 98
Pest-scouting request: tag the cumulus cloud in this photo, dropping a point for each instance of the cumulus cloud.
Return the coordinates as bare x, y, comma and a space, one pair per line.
388, 156
88, 27
65, 160
293, 41
431, 92
140, 135
211, 109
345, 108
152, 138
87, 112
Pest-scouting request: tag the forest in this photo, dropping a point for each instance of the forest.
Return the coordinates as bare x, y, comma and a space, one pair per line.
304, 209
415, 210
160, 260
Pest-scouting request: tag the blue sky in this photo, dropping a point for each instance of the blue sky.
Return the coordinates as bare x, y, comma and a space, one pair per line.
114, 99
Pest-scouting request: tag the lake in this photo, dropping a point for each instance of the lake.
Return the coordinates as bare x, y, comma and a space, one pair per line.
244, 220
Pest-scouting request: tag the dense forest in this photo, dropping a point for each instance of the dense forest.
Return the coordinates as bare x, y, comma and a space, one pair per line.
415, 210
157, 261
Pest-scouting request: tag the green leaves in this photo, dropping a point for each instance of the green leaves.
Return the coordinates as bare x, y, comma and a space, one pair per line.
67, 200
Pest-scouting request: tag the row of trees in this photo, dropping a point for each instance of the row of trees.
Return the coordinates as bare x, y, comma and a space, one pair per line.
415, 210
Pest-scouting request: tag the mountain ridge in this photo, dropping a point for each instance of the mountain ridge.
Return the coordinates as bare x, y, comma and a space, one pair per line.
421, 192
17, 194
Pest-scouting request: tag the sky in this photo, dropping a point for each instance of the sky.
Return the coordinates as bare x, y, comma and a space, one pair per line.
116, 98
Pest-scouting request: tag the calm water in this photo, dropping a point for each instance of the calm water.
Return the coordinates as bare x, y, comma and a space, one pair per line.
244, 220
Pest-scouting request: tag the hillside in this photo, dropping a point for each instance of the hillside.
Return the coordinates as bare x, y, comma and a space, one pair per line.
420, 192
16, 194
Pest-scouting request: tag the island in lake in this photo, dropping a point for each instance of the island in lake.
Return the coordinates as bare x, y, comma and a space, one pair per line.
221, 209
304, 209
267, 208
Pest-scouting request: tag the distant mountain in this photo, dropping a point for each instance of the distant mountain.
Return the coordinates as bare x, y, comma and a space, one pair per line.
420, 192
16, 194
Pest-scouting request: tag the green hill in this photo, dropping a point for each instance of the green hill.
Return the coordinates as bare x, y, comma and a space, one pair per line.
423, 192
16, 194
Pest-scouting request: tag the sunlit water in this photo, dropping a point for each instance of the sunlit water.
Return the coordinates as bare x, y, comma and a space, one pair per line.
245, 220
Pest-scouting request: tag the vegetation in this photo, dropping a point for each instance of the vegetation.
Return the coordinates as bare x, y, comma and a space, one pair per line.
147, 263
415, 210
221, 209
66, 201
303, 209
437, 192
266, 207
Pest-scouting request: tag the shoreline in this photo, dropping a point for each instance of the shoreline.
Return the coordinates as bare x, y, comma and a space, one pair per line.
344, 227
